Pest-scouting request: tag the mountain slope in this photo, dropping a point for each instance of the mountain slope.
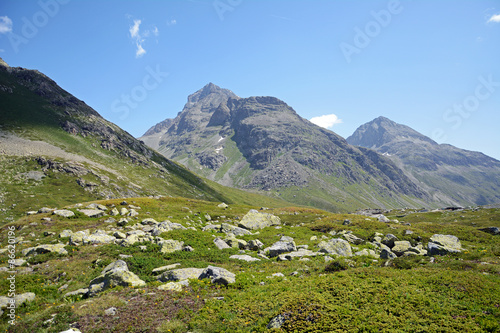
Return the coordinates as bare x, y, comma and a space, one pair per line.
262, 143
455, 175
56, 150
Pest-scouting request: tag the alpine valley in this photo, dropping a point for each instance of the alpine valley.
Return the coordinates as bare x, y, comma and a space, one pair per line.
101, 233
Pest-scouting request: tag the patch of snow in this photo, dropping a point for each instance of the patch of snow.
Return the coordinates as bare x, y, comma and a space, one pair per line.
217, 150
221, 138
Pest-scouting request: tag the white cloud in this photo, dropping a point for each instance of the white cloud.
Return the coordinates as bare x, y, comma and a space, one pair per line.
172, 22
140, 51
495, 18
326, 121
5, 24
134, 30
140, 37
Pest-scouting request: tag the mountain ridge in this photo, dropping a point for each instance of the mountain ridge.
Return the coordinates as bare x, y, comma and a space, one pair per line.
467, 177
261, 142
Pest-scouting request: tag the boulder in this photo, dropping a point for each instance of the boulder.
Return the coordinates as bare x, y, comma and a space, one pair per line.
443, 244
255, 220
78, 292
45, 248
174, 286
115, 274
18, 300
336, 246
382, 218
389, 240
98, 237
164, 268
281, 247
387, 254
297, 254
491, 230
244, 257
220, 244
132, 213
218, 275
401, 247
235, 242
63, 213
237, 231
65, 233
223, 205
92, 212
180, 274
255, 245
367, 253
170, 245
353, 239
114, 212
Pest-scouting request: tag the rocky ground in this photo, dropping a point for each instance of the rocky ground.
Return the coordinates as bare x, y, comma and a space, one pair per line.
95, 260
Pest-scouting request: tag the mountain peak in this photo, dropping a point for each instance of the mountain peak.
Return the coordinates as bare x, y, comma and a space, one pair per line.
381, 131
209, 89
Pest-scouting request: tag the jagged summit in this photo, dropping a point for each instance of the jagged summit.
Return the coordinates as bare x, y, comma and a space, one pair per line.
210, 91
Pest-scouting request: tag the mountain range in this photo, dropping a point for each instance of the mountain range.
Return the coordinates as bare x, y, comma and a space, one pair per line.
466, 177
261, 143
57, 150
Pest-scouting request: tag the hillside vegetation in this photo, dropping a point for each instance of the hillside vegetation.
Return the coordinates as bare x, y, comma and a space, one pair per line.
319, 292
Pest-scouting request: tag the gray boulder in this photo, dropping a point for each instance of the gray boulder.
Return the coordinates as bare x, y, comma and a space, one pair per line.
255, 220
244, 257
170, 245
353, 239
444, 244
387, 254
255, 245
281, 247
218, 275
401, 247
115, 274
63, 213
389, 240
180, 274
220, 244
45, 248
336, 246
92, 212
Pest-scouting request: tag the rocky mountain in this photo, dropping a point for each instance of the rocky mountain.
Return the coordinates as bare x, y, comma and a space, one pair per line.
261, 143
458, 176
56, 150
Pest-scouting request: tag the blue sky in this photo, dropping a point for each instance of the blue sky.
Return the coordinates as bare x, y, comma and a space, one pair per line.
432, 65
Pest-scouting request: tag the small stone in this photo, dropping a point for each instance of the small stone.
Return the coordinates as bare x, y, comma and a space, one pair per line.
111, 311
